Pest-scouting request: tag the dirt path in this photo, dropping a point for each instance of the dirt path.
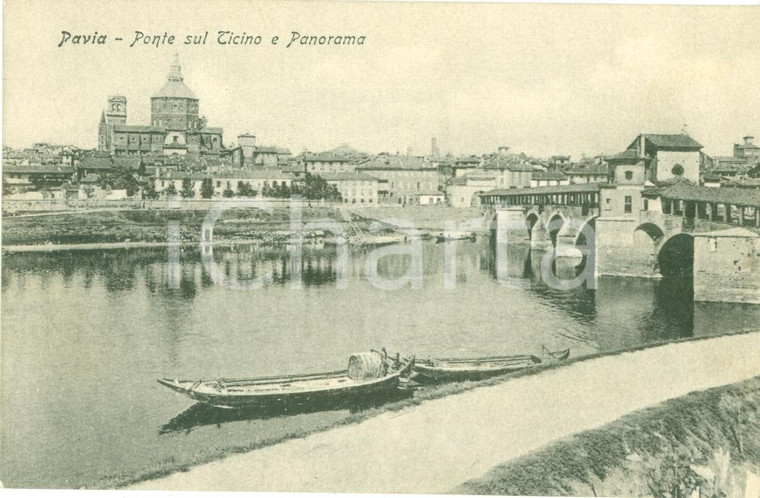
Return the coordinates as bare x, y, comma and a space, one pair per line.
442, 443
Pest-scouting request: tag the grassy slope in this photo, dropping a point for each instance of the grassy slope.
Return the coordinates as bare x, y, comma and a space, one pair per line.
651, 452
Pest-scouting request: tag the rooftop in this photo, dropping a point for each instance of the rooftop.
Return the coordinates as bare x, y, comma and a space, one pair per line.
548, 175
557, 189
470, 161
328, 158
668, 142
587, 169
396, 163
510, 163
626, 155
690, 192
95, 162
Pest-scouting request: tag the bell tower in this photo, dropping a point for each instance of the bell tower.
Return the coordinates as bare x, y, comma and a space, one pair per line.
116, 113
103, 133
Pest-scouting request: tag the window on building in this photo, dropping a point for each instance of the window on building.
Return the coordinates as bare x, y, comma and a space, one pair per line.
677, 207
713, 244
646, 204
629, 175
174, 139
628, 204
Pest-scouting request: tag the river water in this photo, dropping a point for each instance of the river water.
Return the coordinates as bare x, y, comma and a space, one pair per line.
85, 335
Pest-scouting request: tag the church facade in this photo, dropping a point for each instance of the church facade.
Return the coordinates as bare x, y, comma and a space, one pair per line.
175, 128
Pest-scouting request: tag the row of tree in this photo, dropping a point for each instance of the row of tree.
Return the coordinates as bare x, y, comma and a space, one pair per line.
314, 187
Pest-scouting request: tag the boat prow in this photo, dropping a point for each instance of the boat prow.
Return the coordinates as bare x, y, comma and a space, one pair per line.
181, 386
562, 355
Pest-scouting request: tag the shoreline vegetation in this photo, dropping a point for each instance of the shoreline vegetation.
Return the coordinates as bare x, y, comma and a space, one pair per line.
171, 466
119, 229
705, 442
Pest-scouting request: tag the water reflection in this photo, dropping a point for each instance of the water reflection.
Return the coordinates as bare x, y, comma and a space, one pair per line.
523, 270
201, 414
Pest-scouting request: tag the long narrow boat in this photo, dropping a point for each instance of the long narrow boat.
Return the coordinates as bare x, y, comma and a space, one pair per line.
368, 374
451, 236
457, 369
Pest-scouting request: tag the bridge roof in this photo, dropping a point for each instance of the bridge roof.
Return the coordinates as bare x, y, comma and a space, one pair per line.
733, 195
556, 189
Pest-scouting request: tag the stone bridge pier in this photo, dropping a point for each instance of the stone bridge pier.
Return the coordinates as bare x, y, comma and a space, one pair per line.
545, 227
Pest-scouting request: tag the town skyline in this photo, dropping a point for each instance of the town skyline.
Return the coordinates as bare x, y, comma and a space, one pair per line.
587, 95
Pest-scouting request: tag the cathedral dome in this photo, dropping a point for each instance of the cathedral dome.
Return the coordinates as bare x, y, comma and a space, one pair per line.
176, 89
175, 86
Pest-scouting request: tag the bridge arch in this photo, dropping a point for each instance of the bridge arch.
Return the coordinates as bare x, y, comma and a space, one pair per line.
588, 242
654, 231
554, 225
531, 219
580, 237
676, 256
647, 240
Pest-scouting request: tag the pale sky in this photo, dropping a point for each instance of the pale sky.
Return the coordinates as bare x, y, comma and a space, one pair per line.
542, 79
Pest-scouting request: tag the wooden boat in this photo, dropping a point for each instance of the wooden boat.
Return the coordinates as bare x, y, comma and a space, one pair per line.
446, 236
368, 374
456, 369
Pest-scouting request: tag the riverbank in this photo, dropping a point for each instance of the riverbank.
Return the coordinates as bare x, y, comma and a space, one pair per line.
708, 442
117, 229
451, 439
151, 226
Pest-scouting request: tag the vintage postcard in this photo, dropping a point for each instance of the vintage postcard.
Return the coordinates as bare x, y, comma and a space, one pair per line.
381, 247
